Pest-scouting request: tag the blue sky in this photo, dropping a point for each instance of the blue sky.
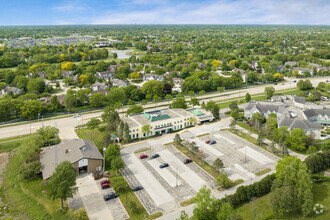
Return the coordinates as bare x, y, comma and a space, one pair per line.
57, 12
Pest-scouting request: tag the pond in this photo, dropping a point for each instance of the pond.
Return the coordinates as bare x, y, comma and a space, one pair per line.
123, 54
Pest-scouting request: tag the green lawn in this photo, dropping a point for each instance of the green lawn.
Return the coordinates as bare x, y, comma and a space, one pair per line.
8, 144
261, 172
321, 193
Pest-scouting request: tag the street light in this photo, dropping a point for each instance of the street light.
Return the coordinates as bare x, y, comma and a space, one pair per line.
104, 158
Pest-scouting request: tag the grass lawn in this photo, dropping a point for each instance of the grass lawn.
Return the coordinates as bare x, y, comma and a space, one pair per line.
244, 136
188, 202
26, 198
321, 193
261, 172
244, 125
202, 135
8, 144
96, 135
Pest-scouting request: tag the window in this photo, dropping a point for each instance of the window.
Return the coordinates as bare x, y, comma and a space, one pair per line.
133, 135
133, 130
150, 132
137, 135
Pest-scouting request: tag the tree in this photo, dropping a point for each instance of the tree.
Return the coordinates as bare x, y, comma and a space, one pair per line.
115, 55
133, 207
121, 130
30, 170
183, 216
168, 97
233, 105
134, 109
112, 152
205, 205
297, 139
278, 77
83, 95
67, 66
180, 102
201, 93
36, 86
257, 119
292, 188
126, 133
62, 183
153, 88
194, 101
97, 100
269, 90
223, 180
146, 129
260, 139
215, 111
209, 105
233, 124
247, 97
83, 79
218, 164
79, 214
92, 125
234, 114
227, 212
305, 85
70, 100
31, 108
117, 164
177, 140
47, 133
192, 121
321, 86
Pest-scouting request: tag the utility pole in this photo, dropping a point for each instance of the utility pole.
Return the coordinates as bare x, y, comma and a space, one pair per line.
42, 120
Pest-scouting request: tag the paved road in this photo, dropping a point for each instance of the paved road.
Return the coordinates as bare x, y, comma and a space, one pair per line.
69, 122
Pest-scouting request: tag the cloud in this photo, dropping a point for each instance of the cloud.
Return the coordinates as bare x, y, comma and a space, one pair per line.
219, 12
71, 6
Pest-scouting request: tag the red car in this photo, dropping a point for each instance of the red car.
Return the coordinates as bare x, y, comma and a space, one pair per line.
142, 156
207, 141
104, 181
105, 185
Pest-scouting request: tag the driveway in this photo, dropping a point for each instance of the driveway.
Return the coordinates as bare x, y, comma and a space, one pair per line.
91, 196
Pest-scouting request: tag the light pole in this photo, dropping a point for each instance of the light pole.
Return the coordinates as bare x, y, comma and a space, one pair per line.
42, 120
104, 158
38, 117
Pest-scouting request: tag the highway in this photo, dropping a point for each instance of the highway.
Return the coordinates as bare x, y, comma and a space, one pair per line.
66, 125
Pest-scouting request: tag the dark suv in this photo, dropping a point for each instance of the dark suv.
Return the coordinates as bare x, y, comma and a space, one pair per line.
110, 196
163, 165
154, 156
186, 161
137, 188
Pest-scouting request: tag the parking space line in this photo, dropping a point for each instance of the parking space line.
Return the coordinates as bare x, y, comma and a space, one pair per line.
222, 137
155, 190
255, 155
244, 171
164, 173
194, 181
208, 147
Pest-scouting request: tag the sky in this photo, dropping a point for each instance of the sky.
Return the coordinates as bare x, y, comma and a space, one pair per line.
64, 12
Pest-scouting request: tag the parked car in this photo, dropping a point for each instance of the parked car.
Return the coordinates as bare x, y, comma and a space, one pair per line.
327, 80
142, 156
186, 161
213, 142
275, 83
283, 83
105, 185
110, 196
154, 156
104, 181
163, 165
137, 188
208, 141
76, 116
294, 81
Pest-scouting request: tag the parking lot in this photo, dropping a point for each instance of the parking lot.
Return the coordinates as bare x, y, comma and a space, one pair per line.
91, 195
164, 189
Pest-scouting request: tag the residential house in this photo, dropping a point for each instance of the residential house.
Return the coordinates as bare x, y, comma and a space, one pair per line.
66, 73
149, 77
42, 74
99, 86
119, 83
177, 84
14, 90
320, 116
302, 70
291, 63
280, 68
106, 75
264, 109
113, 68
310, 128
82, 154
299, 101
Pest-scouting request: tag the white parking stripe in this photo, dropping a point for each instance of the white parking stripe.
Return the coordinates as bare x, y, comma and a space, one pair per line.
156, 191
255, 155
194, 181
228, 140
164, 173
244, 171
208, 147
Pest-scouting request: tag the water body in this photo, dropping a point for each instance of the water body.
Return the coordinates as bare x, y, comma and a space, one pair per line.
123, 54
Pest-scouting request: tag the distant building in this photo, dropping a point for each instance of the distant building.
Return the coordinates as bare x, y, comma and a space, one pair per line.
105, 75
310, 128
302, 70
320, 116
164, 120
99, 86
149, 77
119, 83
291, 63
14, 90
264, 109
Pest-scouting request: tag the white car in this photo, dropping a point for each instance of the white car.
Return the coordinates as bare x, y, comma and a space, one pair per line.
76, 116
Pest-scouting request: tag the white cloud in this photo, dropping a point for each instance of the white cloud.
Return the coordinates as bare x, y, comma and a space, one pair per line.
221, 12
71, 6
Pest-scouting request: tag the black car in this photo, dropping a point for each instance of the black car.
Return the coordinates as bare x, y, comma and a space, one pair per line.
186, 161
294, 81
213, 142
275, 83
137, 188
163, 165
154, 156
110, 196
327, 80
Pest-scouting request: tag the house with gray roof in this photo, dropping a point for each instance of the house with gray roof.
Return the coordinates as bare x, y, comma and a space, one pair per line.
149, 77
119, 83
291, 63
302, 70
99, 86
320, 116
310, 128
82, 154
264, 109
8, 89
105, 75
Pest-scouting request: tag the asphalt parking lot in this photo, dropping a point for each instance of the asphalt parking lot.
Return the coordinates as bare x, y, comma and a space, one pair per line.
164, 189
91, 195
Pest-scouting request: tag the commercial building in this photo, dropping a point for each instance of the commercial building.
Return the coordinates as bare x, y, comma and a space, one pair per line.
83, 154
165, 120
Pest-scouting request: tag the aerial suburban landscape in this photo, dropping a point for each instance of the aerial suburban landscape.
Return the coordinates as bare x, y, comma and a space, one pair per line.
159, 110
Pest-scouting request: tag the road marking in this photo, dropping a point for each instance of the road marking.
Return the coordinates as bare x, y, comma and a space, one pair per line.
208, 147
164, 173
255, 155
228, 140
244, 171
